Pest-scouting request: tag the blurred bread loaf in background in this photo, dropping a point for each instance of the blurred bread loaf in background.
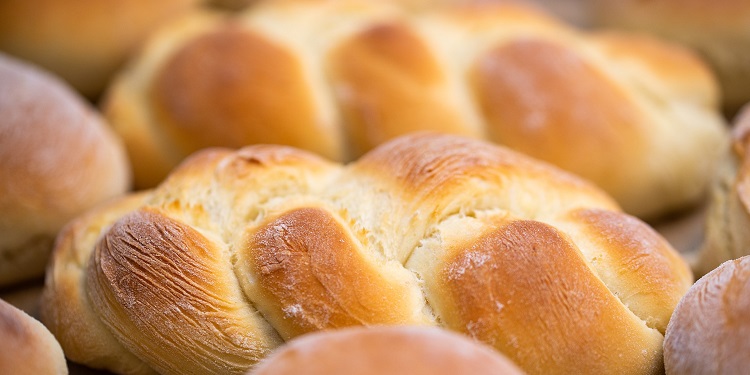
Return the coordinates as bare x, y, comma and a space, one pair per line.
83, 41
396, 350
717, 29
58, 158
637, 116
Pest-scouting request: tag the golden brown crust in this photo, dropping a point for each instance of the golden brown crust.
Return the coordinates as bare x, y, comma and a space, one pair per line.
387, 84
65, 308
531, 92
386, 350
310, 274
27, 346
357, 73
59, 159
650, 290
83, 41
518, 281
239, 250
125, 278
220, 89
709, 329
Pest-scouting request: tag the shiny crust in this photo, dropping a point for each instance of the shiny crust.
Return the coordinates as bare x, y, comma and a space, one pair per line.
244, 249
393, 59
386, 350
709, 330
212, 108
357, 73
520, 280
59, 158
27, 346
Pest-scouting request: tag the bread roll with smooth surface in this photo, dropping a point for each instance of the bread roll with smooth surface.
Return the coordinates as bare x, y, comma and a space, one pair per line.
27, 347
59, 158
242, 250
386, 350
709, 331
636, 116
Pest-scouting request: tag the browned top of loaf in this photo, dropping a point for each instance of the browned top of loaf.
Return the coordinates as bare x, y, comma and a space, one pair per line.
386, 350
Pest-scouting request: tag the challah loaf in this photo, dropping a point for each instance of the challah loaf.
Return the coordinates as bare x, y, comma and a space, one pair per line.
83, 41
709, 331
386, 350
27, 347
239, 251
637, 117
718, 29
728, 219
58, 158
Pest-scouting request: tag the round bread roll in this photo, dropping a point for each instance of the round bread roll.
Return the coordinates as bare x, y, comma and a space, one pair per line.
710, 330
636, 116
386, 350
728, 219
82, 41
27, 347
239, 251
59, 158
718, 29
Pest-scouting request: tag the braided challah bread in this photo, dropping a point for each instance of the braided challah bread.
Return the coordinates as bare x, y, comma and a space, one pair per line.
239, 251
637, 117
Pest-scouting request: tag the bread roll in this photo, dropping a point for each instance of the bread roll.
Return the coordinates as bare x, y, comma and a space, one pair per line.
386, 350
718, 30
709, 331
239, 251
59, 158
82, 41
27, 347
728, 218
638, 117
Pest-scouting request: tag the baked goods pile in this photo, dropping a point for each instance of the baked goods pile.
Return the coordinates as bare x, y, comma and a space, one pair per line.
239, 251
476, 174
